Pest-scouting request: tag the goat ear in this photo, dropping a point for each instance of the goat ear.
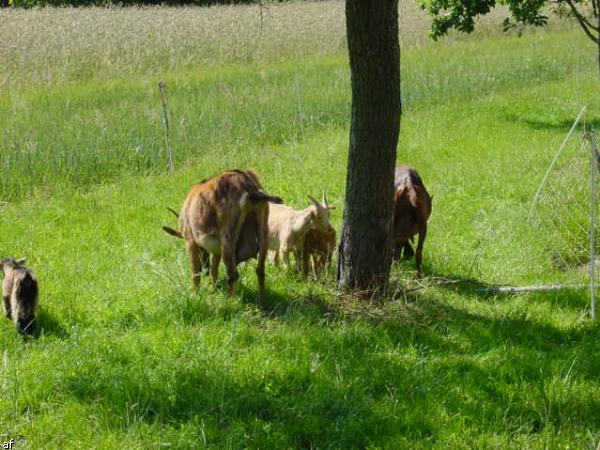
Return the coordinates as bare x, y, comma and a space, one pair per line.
19, 261
314, 200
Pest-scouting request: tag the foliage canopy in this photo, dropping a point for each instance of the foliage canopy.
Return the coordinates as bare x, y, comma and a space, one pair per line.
461, 14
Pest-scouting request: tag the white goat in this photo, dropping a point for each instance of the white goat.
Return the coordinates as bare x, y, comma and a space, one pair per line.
288, 227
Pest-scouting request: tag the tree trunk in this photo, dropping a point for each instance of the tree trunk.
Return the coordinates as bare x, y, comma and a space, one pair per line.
365, 252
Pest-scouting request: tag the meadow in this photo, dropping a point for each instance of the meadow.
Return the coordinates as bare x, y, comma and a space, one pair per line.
128, 355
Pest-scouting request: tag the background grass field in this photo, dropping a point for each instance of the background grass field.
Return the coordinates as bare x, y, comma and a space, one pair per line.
127, 355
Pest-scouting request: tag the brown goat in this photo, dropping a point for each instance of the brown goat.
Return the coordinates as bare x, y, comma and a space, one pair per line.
411, 212
226, 216
20, 294
318, 246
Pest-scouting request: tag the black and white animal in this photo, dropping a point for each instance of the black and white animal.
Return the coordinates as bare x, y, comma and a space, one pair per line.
20, 294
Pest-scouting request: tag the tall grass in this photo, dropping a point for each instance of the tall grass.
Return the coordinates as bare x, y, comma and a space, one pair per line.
94, 130
51, 45
55, 45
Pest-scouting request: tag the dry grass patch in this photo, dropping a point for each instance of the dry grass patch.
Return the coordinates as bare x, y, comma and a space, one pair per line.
50, 45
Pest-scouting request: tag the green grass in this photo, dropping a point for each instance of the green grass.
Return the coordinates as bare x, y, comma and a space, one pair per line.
127, 355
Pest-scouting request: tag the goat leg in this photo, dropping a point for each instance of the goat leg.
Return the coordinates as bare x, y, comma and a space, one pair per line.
7, 308
422, 235
306, 257
228, 255
195, 262
205, 261
408, 251
397, 252
275, 257
299, 255
285, 257
214, 271
263, 247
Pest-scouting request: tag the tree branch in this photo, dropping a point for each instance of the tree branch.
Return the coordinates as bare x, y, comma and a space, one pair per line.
587, 26
596, 9
580, 17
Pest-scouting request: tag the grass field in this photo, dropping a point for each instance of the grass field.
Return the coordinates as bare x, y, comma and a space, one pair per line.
128, 356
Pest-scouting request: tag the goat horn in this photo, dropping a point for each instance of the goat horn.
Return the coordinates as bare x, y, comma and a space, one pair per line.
314, 200
173, 211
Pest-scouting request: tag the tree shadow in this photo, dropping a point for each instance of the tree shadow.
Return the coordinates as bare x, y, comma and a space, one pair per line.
564, 124
341, 391
473, 288
356, 373
301, 410
467, 286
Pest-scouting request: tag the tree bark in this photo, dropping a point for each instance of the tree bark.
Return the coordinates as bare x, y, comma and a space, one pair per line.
365, 252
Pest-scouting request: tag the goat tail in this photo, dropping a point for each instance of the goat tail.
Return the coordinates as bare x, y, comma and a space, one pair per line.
173, 232
260, 196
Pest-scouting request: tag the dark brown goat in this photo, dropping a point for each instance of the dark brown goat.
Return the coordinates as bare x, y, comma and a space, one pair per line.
20, 294
411, 212
318, 246
226, 216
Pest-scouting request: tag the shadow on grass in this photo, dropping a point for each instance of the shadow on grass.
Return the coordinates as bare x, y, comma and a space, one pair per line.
362, 381
284, 409
45, 325
564, 125
573, 297
48, 325
434, 277
467, 286
339, 372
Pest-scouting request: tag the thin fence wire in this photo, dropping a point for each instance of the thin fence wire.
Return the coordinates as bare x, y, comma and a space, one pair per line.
165, 109
558, 153
593, 170
564, 212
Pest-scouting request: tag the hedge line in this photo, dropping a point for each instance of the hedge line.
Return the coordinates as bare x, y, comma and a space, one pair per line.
32, 3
